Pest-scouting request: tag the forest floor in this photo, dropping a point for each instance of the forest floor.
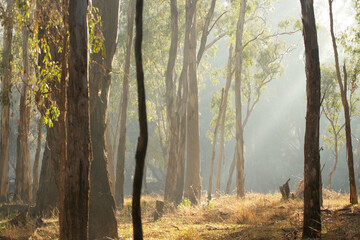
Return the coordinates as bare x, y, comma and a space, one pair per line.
258, 216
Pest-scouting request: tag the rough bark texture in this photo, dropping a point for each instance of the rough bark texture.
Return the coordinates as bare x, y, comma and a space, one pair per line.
312, 218
172, 113
192, 181
240, 178
349, 151
36, 161
47, 197
63, 108
221, 159
5, 101
23, 170
119, 186
76, 198
102, 220
214, 144
143, 137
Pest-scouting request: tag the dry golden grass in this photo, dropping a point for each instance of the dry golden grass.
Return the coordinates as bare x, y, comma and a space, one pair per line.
257, 216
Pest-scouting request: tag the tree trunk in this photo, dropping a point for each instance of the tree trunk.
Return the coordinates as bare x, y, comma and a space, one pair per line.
180, 176
102, 203
221, 159
214, 144
119, 186
76, 198
143, 137
312, 215
240, 178
5, 101
111, 160
47, 196
36, 161
205, 31
192, 181
56, 138
23, 169
336, 161
182, 102
349, 151
231, 172
172, 113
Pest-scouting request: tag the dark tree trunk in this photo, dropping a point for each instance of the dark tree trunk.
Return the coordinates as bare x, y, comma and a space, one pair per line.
5, 101
74, 224
240, 177
143, 138
47, 196
102, 221
343, 90
119, 186
312, 217
172, 113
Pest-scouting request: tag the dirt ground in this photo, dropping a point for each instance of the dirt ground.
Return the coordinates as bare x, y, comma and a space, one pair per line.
258, 216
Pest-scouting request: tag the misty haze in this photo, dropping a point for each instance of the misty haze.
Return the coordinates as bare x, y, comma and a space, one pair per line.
179, 119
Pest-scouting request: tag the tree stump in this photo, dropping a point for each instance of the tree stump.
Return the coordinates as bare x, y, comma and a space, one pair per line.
285, 190
159, 211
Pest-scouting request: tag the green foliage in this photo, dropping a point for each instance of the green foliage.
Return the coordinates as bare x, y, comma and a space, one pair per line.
96, 40
52, 114
185, 203
211, 205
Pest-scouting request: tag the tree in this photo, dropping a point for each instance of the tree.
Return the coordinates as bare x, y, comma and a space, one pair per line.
5, 100
50, 100
331, 107
221, 158
77, 183
192, 180
262, 51
23, 190
221, 106
240, 178
143, 137
119, 186
312, 215
172, 113
102, 204
343, 90
36, 161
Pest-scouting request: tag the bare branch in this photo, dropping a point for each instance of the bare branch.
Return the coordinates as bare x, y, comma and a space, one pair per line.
216, 21
253, 39
215, 40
